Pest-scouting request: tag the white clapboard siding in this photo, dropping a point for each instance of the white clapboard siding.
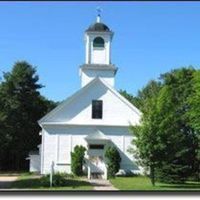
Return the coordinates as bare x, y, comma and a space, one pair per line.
64, 149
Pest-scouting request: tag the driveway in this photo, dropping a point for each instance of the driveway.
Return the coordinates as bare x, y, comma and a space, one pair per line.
6, 181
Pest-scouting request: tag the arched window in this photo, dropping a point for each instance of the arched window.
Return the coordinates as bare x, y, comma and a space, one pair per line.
98, 42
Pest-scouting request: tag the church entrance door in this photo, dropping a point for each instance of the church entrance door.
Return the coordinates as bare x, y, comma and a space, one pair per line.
97, 164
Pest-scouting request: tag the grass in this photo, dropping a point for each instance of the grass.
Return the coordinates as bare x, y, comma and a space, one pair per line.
34, 182
143, 183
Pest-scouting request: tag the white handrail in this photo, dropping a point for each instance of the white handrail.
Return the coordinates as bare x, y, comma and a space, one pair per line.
88, 167
89, 172
106, 173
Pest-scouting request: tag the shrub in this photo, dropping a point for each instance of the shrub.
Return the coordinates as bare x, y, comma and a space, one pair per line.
77, 159
59, 179
113, 160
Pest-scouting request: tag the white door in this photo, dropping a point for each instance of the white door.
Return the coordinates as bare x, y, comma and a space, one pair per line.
97, 164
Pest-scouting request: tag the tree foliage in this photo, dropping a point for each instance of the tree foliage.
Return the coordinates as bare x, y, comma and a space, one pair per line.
134, 100
194, 116
113, 160
179, 135
77, 159
21, 106
166, 140
148, 145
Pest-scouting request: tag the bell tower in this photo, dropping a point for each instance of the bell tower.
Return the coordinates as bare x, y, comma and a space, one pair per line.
98, 38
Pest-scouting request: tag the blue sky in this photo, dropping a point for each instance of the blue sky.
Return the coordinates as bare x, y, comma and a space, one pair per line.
150, 38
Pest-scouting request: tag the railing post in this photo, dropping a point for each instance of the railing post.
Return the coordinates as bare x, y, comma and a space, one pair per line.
89, 172
106, 173
88, 168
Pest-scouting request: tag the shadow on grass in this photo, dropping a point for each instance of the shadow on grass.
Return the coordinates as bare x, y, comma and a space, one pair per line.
183, 186
37, 183
5, 184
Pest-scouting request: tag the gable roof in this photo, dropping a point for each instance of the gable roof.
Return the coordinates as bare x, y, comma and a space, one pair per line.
130, 105
82, 90
97, 135
66, 101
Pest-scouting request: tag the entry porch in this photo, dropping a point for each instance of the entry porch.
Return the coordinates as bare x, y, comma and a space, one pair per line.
95, 159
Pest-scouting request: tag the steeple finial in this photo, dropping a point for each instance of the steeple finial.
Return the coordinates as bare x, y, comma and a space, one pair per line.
99, 10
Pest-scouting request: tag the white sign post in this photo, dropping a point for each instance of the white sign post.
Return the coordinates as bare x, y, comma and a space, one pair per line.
51, 173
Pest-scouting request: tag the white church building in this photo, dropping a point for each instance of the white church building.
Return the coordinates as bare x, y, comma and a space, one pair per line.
96, 116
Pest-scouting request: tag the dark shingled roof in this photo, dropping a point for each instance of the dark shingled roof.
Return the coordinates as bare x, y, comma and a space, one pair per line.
98, 27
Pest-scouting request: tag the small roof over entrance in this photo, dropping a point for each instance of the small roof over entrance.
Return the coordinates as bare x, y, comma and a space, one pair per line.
96, 136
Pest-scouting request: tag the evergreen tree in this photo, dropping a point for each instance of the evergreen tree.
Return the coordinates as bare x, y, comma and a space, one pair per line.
77, 160
21, 106
113, 160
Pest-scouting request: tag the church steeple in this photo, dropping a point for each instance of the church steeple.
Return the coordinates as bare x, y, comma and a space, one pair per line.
98, 14
98, 38
98, 18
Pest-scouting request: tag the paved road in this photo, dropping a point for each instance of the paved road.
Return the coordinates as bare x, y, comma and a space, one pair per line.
6, 181
100, 184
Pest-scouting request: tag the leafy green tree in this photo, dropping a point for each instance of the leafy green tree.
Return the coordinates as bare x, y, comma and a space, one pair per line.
176, 131
134, 100
149, 148
144, 94
194, 116
165, 140
113, 160
21, 106
77, 160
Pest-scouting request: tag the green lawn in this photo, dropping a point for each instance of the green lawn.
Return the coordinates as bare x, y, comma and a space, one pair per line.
33, 182
143, 183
